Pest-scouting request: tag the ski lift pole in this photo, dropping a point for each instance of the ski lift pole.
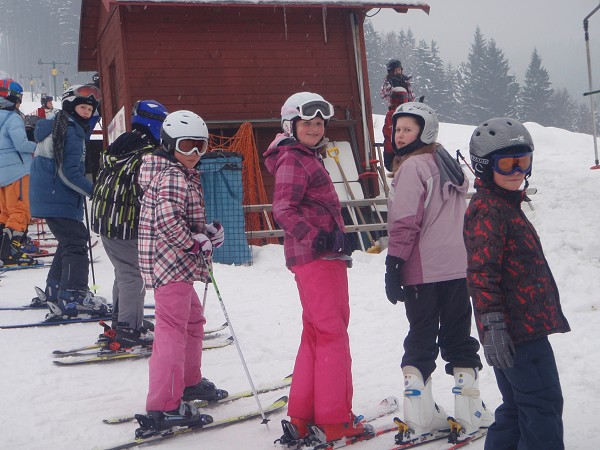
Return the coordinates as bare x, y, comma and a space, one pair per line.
265, 421
589, 67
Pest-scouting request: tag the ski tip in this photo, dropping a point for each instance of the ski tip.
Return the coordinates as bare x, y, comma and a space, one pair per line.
283, 399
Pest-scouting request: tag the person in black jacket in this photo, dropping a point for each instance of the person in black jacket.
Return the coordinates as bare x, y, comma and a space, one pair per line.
115, 215
515, 297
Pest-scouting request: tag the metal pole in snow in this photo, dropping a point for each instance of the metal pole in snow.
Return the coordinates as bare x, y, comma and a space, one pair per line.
235, 341
589, 67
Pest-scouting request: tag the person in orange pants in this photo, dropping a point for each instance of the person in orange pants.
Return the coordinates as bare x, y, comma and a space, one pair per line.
16, 154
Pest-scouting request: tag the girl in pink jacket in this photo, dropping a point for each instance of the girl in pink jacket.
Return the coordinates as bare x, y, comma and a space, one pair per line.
317, 251
174, 242
426, 269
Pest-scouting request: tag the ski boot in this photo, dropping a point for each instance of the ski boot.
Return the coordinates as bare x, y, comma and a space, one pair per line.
10, 250
71, 303
421, 414
157, 421
326, 433
28, 246
470, 413
295, 431
205, 390
50, 294
125, 337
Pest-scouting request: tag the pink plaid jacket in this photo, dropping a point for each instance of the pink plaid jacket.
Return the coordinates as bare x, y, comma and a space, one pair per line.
304, 200
172, 211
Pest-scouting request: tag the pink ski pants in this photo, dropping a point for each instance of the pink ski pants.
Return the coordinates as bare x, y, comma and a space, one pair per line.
321, 390
177, 349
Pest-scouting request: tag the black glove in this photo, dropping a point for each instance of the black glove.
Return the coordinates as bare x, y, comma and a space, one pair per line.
393, 284
498, 347
336, 241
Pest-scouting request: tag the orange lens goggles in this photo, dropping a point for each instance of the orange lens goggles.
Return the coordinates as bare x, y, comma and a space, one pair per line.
87, 91
509, 164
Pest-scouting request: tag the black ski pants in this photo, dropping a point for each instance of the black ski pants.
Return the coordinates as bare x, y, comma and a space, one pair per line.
440, 316
530, 416
70, 265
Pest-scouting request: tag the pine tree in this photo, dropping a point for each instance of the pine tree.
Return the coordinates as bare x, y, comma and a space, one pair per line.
375, 67
502, 87
537, 93
474, 74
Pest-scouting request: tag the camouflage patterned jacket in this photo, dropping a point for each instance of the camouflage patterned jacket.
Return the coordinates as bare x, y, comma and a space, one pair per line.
507, 271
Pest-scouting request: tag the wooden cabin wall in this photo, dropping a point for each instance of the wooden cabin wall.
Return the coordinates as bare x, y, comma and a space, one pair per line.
232, 64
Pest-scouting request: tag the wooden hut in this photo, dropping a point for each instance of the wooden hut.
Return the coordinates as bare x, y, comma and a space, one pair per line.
235, 61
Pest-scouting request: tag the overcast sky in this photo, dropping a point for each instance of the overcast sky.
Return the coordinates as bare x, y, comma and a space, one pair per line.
554, 27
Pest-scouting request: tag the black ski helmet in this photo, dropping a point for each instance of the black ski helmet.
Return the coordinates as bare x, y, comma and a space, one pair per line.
497, 135
393, 64
45, 99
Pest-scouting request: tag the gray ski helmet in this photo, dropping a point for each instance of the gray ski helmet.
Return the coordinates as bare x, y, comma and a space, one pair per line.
427, 119
497, 135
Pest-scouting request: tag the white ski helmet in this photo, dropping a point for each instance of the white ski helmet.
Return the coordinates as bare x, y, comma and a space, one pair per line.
497, 135
182, 125
428, 122
306, 106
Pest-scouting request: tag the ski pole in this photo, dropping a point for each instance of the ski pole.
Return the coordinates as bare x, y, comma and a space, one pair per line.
235, 340
460, 156
204, 299
87, 223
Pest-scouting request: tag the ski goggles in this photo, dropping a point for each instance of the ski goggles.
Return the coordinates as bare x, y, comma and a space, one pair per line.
310, 110
87, 91
509, 164
188, 145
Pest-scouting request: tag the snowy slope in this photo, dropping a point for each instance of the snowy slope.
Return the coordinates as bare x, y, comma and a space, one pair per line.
61, 407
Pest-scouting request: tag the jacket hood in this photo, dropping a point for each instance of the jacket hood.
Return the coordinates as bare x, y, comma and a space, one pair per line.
451, 174
43, 128
4, 115
281, 144
127, 143
153, 164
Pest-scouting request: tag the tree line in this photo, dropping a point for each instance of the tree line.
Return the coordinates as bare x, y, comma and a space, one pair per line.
477, 89
34, 31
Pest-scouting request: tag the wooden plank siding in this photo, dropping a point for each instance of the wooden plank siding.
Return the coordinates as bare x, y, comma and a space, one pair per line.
232, 64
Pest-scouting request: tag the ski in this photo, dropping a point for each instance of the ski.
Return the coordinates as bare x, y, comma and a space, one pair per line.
39, 265
78, 351
41, 254
387, 406
44, 307
345, 442
219, 423
63, 321
134, 353
482, 432
204, 403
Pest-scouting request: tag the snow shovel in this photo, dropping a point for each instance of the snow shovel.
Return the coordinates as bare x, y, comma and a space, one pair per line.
334, 152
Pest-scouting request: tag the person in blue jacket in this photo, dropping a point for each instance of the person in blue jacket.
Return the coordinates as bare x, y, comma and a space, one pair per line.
57, 193
16, 153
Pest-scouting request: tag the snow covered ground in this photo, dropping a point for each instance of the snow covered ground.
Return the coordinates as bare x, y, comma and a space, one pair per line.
50, 407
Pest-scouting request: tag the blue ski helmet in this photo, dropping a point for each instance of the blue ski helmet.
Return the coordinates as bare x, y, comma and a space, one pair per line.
11, 90
147, 116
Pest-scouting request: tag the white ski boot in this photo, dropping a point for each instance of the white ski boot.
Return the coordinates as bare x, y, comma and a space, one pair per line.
422, 415
470, 412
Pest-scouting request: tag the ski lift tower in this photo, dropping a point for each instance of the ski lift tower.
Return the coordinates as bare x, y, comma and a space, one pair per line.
54, 72
590, 93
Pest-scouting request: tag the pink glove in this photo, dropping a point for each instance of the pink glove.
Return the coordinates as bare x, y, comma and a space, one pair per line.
216, 233
202, 245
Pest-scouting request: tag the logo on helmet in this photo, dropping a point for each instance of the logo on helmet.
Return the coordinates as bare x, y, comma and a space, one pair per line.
519, 138
479, 160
